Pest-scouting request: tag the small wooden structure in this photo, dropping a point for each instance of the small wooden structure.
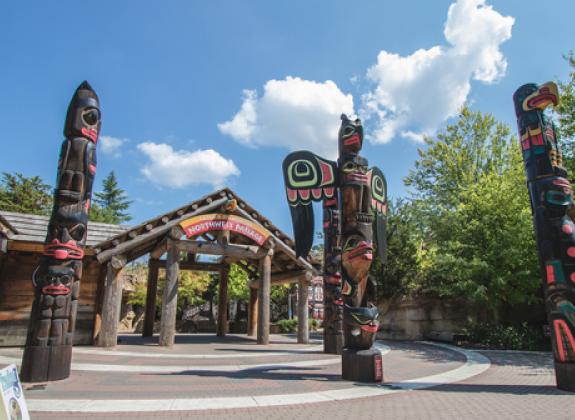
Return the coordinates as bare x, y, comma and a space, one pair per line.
220, 224
22, 239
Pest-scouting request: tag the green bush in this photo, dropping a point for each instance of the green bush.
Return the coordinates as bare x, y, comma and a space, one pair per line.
290, 325
507, 337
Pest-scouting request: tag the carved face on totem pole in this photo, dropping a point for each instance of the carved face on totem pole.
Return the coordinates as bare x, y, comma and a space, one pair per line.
57, 279
551, 201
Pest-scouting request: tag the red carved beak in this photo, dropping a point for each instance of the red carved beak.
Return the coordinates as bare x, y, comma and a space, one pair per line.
353, 140
59, 289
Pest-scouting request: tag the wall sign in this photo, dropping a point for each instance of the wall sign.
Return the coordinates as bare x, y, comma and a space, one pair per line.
198, 225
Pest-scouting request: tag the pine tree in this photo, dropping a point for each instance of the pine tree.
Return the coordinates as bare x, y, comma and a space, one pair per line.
25, 195
109, 205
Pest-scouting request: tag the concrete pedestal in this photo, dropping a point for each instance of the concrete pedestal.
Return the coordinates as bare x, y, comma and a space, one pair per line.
565, 376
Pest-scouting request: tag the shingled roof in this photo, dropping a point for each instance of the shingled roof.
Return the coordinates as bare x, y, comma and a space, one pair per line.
149, 235
33, 228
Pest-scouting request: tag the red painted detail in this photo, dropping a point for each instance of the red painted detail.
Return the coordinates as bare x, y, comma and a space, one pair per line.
572, 277
571, 251
338, 302
334, 279
316, 192
63, 251
292, 194
361, 178
525, 144
330, 203
373, 203
91, 134
59, 289
378, 366
207, 224
92, 169
363, 249
544, 96
328, 191
304, 194
567, 228
87, 205
537, 139
550, 274
549, 133
327, 177
326, 225
369, 328
560, 327
353, 140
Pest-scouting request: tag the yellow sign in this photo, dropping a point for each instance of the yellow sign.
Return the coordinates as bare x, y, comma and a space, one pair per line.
197, 225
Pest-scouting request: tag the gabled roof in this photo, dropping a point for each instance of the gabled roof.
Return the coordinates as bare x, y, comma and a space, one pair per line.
151, 234
6, 229
33, 228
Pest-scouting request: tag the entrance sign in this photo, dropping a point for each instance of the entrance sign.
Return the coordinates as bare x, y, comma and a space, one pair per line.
12, 403
198, 225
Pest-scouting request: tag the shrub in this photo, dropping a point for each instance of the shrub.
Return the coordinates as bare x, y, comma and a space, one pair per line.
507, 337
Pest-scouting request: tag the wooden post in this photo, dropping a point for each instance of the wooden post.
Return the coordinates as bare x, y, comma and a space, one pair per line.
222, 327
170, 297
150, 315
108, 336
302, 313
264, 299
253, 312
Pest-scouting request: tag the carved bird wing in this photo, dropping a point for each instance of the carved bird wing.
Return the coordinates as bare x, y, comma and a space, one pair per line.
379, 207
307, 178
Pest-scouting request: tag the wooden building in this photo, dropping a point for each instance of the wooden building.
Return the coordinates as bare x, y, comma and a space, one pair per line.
220, 224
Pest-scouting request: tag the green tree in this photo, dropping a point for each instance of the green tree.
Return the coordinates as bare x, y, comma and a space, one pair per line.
25, 195
565, 112
470, 220
110, 205
238, 283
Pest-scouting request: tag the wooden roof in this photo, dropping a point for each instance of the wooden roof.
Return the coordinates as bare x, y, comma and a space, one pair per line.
6, 229
151, 235
33, 228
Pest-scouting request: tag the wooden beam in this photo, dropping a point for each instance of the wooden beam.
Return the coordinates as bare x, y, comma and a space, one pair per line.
253, 312
152, 290
194, 266
222, 327
108, 336
35, 247
264, 299
156, 232
159, 250
170, 298
232, 250
302, 313
285, 278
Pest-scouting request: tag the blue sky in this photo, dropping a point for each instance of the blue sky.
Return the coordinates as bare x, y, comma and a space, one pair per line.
196, 95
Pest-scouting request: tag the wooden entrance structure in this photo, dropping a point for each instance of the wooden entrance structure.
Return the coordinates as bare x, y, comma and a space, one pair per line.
221, 225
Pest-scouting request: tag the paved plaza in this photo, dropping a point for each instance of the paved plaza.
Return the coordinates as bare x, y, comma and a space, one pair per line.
207, 377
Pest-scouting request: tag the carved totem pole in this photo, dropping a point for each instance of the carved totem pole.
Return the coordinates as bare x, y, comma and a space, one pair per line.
552, 206
352, 197
48, 351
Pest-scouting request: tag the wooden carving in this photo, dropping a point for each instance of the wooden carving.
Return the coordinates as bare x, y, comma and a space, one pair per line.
48, 351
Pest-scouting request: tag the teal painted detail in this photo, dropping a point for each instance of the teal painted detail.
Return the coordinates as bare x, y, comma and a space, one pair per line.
568, 310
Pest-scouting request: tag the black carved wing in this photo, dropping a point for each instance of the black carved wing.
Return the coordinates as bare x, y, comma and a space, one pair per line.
307, 178
379, 207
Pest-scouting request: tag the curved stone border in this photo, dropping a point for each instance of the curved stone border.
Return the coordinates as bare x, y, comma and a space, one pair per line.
474, 365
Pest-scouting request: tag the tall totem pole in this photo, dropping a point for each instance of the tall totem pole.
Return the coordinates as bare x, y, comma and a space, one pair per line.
552, 207
353, 199
48, 351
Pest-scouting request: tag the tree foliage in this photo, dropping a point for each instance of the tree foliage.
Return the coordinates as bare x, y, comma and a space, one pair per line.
25, 195
565, 113
466, 230
110, 205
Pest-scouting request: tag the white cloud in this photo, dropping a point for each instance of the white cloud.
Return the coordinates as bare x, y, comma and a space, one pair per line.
292, 113
111, 146
182, 168
415, 94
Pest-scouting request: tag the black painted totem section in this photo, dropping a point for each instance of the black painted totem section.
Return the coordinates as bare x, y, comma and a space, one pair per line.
551, 203
48, 351
354, 197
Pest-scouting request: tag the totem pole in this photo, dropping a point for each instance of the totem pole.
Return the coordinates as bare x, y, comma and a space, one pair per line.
353, 197
48, 351
552, 206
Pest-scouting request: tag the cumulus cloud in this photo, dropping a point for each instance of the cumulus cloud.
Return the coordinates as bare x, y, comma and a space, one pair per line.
292, 113
111, 146
413, 95
182, 168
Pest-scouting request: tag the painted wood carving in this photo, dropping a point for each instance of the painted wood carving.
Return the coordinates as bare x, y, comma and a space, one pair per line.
551, 203
48, 351
355, 204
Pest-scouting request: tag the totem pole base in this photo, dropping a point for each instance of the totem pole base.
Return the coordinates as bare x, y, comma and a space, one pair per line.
332, 343
565, 376
46, 363
361, 365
